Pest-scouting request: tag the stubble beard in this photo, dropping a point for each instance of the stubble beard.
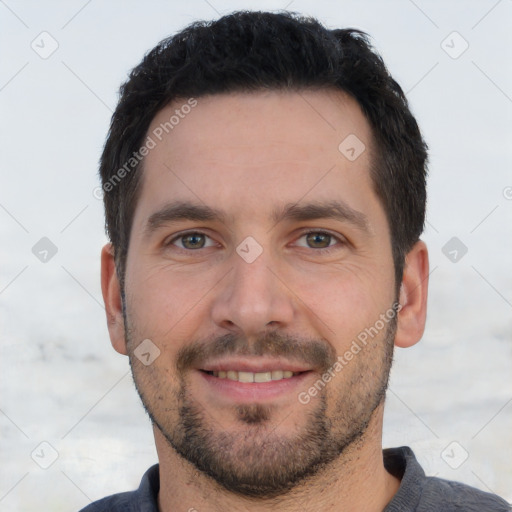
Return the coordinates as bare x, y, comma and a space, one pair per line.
257, 462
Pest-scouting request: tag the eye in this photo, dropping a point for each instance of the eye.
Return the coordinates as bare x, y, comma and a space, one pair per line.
192, 240
318, 240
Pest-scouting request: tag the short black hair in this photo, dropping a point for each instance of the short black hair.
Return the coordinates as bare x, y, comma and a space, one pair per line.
249, 51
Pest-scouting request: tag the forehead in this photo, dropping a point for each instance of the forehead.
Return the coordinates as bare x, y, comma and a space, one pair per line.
249, 151
293, 124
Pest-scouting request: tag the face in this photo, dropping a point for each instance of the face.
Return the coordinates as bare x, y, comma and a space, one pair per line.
259, 256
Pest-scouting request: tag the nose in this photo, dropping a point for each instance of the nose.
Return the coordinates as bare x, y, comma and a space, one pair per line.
252, 298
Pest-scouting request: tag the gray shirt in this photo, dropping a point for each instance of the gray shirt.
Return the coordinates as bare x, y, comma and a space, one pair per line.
417, 493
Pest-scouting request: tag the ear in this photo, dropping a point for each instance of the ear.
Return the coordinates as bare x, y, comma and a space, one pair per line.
111, 291
413, 297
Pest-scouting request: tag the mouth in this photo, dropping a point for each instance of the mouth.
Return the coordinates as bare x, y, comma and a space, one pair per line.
252, 381
242, 376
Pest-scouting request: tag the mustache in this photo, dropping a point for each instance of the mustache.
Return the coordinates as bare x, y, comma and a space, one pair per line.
317, 353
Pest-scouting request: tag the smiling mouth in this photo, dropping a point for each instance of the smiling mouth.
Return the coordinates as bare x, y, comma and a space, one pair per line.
242, 376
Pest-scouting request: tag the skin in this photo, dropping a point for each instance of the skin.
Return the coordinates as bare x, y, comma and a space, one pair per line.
248, 155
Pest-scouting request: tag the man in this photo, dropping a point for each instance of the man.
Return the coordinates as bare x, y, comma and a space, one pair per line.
264, 187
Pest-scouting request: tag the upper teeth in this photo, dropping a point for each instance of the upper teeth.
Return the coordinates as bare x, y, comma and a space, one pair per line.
254, 377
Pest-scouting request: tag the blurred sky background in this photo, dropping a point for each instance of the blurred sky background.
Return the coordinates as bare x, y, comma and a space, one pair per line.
61, 383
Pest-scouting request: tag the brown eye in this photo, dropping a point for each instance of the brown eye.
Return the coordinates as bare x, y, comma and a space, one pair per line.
191, 241
318, 240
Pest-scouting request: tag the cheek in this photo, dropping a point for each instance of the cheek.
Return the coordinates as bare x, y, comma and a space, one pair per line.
165, 302
345, 300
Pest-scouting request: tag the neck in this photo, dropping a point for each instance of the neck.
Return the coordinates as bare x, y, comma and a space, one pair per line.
356, 481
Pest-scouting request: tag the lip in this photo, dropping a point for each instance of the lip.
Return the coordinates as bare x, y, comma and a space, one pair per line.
254, 391
254, 365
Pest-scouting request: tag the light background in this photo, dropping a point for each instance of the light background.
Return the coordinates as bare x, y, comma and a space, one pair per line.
62, 383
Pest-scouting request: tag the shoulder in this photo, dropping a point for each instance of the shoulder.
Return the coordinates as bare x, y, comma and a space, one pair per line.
456, 496
422, 493
144, 499
125, 501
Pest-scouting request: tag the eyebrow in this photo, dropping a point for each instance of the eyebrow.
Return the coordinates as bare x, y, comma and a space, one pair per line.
184, 210
336, 209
